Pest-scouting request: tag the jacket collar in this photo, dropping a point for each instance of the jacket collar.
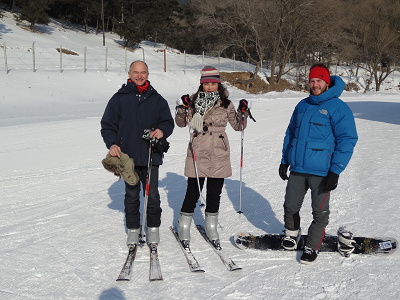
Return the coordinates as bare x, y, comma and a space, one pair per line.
336, 89
130, 87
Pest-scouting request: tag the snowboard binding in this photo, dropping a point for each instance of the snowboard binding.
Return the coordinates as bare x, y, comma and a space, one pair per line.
346, 244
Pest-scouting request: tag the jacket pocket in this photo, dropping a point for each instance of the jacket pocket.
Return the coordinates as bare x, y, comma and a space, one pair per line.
319, 127
220, 146
222, 138
317, 156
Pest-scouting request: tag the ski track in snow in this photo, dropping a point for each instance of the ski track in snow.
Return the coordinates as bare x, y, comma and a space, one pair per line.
62, 233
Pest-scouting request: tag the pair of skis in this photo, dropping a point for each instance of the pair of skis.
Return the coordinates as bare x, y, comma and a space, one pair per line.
155, 269
191, 260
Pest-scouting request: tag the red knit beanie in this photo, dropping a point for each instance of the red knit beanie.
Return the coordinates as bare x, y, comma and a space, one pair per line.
209, 74
321, 73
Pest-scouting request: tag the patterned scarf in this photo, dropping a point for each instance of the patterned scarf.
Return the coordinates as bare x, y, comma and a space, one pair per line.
203, 103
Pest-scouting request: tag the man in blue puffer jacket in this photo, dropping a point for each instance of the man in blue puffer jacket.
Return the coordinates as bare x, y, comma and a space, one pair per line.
318, 145
135, 107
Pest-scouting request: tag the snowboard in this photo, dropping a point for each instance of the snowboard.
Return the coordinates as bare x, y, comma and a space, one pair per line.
365, 245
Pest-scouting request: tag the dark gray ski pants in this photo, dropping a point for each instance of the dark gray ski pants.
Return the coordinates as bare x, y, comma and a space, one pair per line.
296, 190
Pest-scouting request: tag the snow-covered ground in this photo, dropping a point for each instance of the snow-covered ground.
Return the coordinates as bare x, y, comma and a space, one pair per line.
62, 232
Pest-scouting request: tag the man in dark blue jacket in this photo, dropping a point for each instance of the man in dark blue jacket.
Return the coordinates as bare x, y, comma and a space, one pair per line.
318, 145
135, 107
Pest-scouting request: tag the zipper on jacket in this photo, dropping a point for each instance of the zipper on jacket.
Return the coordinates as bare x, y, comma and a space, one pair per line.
223, 141
318, 124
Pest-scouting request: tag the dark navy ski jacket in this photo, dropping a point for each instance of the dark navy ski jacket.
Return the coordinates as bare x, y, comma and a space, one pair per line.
322, 134
128, 114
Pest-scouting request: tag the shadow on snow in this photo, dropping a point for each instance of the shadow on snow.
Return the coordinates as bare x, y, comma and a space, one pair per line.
175, 187
256, 209
4, 30
386, 112
112, 294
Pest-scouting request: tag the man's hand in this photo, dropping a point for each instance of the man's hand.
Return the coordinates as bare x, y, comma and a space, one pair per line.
158, 134
283, 171
330, 182
114, 150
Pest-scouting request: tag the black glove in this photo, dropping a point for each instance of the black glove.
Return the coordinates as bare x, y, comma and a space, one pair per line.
243, 105
185, 100
283, 171
161, 145
330, 182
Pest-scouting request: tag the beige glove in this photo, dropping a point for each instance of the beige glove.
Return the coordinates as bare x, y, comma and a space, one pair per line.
123, 166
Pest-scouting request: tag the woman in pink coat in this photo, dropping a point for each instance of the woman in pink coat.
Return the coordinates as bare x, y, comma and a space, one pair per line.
208, 112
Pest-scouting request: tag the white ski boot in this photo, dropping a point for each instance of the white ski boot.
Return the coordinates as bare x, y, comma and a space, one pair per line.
184, 223
153, 236
133, 237
211, 223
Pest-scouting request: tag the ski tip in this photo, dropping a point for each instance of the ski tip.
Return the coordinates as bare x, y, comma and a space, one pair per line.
156, 279
197, 271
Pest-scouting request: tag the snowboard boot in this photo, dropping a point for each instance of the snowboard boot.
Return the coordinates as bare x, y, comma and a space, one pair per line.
153, 236
346, 243
184, 223
291, 239
309, 255
133, 237
211, 223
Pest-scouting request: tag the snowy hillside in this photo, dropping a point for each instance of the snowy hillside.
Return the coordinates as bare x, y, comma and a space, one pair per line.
62, 232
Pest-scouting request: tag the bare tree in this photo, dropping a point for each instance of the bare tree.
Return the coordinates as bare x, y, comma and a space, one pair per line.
375, 26
290, 23
300, 21
230, 23
262, 28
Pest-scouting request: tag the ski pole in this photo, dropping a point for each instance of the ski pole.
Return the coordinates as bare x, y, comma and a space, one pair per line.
147, 188
241, 167
241, 156
195, 164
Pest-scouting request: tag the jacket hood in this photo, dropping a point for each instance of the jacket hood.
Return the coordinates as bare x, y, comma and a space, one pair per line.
336, 89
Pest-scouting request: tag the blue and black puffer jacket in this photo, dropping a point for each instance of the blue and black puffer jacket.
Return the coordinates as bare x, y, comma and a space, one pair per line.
322, 134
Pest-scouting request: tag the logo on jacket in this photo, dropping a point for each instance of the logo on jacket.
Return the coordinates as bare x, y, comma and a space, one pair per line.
323, 111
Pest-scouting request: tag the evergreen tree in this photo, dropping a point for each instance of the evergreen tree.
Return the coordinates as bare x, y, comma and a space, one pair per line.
34, 11
152, 20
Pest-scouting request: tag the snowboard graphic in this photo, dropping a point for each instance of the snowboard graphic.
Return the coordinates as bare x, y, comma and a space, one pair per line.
365, 245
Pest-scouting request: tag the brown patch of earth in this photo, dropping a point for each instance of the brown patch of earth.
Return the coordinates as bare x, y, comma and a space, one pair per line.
259, 86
